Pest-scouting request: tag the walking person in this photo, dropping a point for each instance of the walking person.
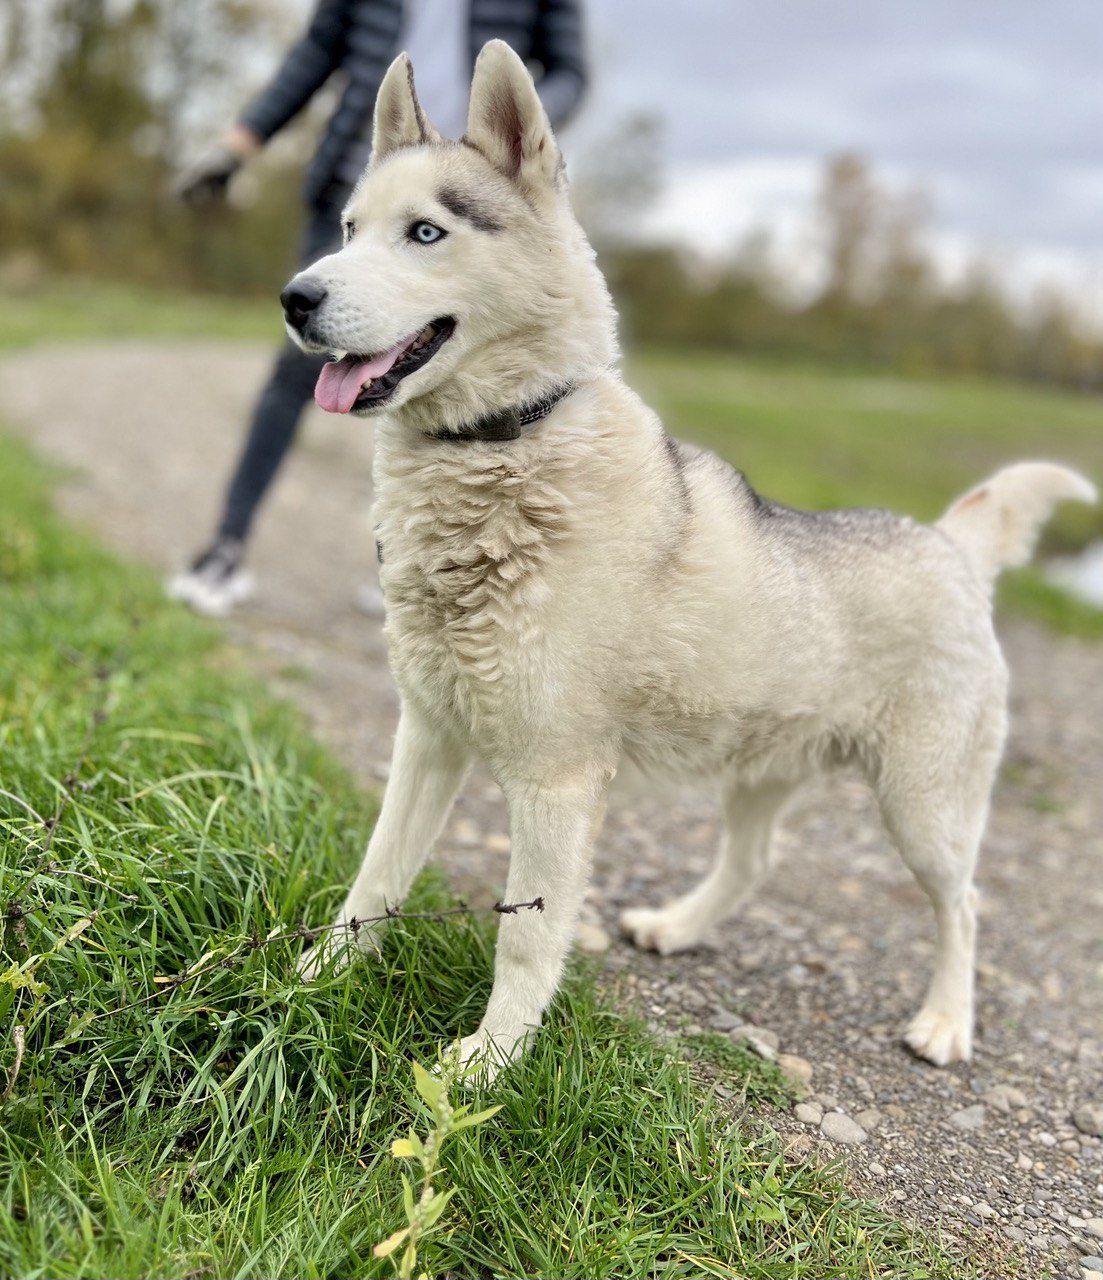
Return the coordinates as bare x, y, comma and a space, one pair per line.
359, 39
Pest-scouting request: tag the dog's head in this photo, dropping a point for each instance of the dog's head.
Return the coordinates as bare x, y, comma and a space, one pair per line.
465, 282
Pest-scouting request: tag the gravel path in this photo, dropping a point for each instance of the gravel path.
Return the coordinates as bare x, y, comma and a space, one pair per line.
825, 965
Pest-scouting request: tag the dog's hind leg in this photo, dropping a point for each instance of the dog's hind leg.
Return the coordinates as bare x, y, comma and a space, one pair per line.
742, 859
935, 805
427, 768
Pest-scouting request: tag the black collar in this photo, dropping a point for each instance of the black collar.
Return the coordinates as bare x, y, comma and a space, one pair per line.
505, 424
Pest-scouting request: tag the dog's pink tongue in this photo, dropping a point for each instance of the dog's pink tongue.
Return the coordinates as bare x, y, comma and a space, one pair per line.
341, 381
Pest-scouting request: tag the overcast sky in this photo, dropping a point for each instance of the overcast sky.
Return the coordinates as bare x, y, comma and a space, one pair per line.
995, 107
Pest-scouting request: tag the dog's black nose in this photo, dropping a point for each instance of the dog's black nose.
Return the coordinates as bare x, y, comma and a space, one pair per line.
299, 299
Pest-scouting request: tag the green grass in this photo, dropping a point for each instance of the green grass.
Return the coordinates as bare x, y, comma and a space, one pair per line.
90, 311
237, 1124
735, 1061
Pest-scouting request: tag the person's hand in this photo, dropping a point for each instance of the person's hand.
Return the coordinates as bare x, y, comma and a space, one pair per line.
204, 183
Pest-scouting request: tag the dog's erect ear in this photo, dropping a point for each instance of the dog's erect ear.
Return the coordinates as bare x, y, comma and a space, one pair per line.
506, 120
399, 119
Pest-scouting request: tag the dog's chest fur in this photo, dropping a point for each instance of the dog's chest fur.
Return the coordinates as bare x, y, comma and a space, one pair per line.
468, 535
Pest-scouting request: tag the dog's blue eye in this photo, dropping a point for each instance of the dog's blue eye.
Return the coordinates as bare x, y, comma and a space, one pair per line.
426, 233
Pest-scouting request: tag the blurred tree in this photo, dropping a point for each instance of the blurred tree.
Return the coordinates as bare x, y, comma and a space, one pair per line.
849, 209
183, 60
905, 285
110, 94
881, 301
1056, 348
616, 179
197, 54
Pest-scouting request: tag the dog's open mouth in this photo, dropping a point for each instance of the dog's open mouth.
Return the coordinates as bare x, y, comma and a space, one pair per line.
362, 382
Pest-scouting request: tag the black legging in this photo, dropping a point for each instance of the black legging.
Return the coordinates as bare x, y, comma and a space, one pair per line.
289, 387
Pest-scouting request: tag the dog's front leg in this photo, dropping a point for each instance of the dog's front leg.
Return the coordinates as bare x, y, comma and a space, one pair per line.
427, 767
552, 827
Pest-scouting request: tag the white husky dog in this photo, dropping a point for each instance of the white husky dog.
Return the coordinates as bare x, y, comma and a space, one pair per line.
568, 587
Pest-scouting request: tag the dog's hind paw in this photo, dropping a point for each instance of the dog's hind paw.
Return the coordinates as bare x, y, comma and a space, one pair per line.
664, 930
941, 1038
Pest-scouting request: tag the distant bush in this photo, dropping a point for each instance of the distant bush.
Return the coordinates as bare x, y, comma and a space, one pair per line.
93, 129
882, 302
71, 207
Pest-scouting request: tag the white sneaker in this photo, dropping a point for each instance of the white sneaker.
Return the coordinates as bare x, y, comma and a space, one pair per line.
215, 582
369, 600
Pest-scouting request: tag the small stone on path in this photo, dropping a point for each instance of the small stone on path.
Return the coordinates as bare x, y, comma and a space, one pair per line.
808, 1113
969, 1119
869, 1119
764, 1043
724, 1021
842, 1129
466, 832
1005, 1098
1089, 1119
798, 1069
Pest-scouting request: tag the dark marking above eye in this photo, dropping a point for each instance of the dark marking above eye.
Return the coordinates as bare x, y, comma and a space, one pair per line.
470, 210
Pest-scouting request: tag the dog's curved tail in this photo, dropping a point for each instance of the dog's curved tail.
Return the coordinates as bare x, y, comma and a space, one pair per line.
997, 523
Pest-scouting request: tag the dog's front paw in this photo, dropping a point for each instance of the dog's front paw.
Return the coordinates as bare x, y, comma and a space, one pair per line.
663, 930
941, 1038
483, 1055
337, 947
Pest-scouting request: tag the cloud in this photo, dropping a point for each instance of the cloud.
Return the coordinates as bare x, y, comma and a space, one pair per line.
716, 205
995, 108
